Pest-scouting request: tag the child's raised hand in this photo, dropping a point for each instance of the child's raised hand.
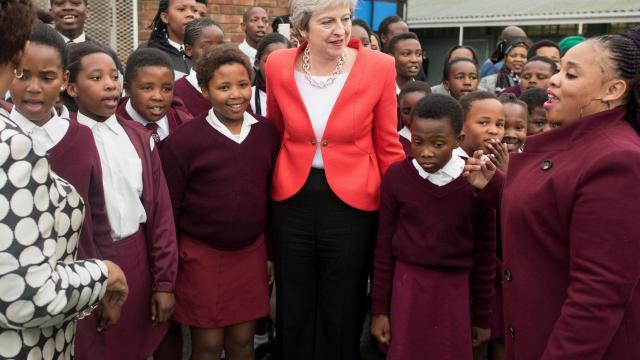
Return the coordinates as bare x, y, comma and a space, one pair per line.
380, 329
110, 315
479, 171
479, 336
162, 307
499, 154
270, 272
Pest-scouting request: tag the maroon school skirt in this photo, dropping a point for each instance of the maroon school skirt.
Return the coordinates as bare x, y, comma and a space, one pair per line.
430, 314
217, 288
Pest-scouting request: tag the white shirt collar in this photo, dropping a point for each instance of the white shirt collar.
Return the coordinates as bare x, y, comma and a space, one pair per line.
64, 113
111, 123
248, 49
163, 124
80, 39
192, 78
449, 172
178, 47
48, 135
248, 120
405, 133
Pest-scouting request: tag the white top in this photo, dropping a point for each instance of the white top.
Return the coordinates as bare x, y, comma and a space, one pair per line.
263, 101
459, 152
192, 78
449, 172
319, 103
248, 120
178, 47
405, 133
163, 124
121, 176
398, 89
47, 135
248, 50
64, 113
80, 39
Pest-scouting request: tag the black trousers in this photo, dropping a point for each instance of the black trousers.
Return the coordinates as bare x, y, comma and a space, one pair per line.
323, 256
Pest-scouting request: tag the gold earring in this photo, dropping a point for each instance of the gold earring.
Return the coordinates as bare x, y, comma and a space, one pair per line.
18, 76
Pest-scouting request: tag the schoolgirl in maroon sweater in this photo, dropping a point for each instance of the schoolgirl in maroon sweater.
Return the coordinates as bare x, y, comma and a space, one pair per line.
435, 247
218, 168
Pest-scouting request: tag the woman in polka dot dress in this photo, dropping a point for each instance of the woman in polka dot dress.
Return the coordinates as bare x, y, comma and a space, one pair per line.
43, 289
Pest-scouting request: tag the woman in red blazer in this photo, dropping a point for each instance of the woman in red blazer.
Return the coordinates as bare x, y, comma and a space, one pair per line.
334, 103
570, 209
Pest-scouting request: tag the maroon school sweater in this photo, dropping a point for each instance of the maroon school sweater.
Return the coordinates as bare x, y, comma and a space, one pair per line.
219, 188
76, 159
193, 100
447, 228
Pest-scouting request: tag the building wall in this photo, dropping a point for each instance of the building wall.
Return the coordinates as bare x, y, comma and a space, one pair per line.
227, 12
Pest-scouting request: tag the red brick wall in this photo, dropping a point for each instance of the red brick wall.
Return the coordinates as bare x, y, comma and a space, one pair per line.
226, 12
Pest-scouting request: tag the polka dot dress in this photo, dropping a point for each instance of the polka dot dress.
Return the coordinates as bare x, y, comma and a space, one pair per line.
43, 289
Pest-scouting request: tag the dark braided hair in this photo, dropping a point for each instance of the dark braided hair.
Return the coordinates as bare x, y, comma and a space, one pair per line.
157, 25
16, 18
271, 38
44, 34
625, 54
193, 29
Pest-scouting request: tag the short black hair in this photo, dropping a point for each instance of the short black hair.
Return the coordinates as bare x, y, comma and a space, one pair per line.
391, 46
144, 57
440, 107
534, 98
215, 57
508, 98
414, 86
456, 47
468, 99
448, 65
245, 15
271, 38
44, 34
77, 52
86, 2
193, 29
16, 19
546, 60
386, 22
206, 2
363, 24
44, 16
540, 44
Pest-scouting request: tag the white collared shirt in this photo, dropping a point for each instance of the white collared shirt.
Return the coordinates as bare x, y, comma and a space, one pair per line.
459, 152
449, 172
405, 133
263, 101
192, 78
248, 120
121, 176
80, 39
47, 135
64, 113
178, 47
163, 124
249, 51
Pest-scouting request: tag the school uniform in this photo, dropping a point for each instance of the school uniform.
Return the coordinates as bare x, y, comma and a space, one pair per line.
187, 90
219, 184
571, 246
405, 140
175, 52
436, 245
176, 116
259, 101
144, 242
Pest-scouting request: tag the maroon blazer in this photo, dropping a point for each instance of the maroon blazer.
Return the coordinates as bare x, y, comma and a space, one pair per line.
193, 100
570, 209
177, 115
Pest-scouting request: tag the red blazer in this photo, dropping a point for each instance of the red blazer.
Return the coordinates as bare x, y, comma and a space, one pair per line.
360, 140
571, 245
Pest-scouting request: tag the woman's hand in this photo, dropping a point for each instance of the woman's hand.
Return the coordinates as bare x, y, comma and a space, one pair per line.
380, 329
162, 306
479, 336
478, 171
498, 154
117, 288
270, 272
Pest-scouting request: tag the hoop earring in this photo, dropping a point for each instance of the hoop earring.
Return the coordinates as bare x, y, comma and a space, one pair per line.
18, 76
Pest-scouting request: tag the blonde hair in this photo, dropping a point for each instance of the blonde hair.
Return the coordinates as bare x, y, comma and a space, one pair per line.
301, 10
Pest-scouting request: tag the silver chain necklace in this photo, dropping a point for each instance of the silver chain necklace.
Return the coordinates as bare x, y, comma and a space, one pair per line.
307, 73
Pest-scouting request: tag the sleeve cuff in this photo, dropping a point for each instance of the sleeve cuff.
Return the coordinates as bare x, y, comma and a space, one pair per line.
162, 287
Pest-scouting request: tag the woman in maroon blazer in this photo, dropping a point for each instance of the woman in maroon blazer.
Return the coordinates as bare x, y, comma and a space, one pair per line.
334, 104
570, 209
